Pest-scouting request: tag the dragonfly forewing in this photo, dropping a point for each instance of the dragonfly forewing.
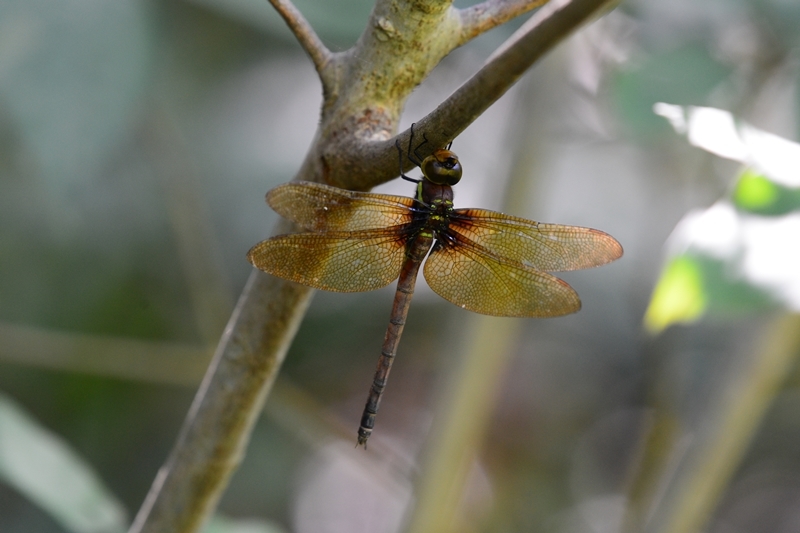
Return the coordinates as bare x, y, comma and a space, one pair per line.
548, 247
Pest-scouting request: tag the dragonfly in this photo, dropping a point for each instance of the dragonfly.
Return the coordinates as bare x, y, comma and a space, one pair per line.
480, 260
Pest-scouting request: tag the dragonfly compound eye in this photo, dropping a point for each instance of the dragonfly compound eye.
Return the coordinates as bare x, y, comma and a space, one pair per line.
442, 168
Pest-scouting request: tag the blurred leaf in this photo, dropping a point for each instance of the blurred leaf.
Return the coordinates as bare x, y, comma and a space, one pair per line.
678, 296
696, 284
45, 469
737, 262
740, 255
756, 193
713, 130
731, 293
221, 524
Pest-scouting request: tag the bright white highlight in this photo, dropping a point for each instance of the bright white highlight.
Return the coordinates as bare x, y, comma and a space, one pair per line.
717, 131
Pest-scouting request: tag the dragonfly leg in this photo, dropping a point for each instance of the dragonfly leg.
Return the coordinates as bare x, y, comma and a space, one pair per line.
416, 159
400, 154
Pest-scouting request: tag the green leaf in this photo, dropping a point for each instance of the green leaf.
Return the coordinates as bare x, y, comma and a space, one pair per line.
678, 296
756, 193
45, 469
739, 255
696, 285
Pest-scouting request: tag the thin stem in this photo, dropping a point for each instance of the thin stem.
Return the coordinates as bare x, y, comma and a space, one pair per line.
463, 416
121, 358
482, 17
189, 218
737, 413
308, 39
465, 412
179, 364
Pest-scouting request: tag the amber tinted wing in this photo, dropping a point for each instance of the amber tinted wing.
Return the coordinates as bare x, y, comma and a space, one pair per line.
474, 279
549, 247
341, 262
321, 208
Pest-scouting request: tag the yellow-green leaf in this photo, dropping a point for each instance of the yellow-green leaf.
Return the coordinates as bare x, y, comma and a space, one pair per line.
754, 192
678, 295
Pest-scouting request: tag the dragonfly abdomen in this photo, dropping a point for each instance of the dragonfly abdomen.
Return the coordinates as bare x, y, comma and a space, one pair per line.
416, 250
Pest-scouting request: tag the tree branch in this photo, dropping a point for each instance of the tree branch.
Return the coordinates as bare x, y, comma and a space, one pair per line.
216, 431
546, 28
482, 17
370, 164
308, 39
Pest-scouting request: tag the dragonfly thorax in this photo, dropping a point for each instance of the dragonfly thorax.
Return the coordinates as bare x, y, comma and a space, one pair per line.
435, 196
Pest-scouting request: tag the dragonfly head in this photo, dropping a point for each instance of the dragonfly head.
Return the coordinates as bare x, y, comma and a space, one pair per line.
442, 168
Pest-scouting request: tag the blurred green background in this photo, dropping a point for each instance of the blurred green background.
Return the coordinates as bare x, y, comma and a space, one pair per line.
137, 140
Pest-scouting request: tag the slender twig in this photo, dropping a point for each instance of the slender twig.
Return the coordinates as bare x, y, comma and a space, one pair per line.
482, 17
121, 358
464, 414
374, 163
190, 221
179, 364
308, 39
